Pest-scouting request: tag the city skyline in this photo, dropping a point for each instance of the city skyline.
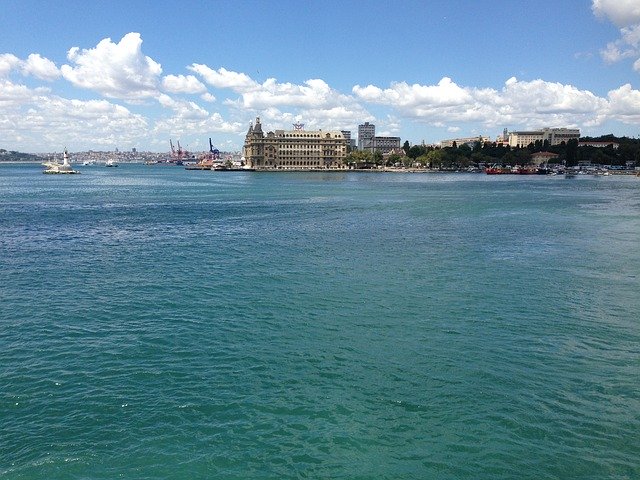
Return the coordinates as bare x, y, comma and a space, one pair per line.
136, 74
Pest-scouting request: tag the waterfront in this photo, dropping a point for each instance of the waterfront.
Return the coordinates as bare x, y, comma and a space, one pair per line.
160, 323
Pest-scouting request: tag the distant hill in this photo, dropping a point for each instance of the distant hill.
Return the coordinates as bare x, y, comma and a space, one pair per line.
11, 156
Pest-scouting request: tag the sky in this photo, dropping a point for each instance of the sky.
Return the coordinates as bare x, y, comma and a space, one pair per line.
94, 75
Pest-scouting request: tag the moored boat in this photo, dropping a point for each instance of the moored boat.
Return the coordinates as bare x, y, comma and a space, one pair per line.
497, 170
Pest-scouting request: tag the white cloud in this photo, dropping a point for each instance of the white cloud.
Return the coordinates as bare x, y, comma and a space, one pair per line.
8, 62
314, 93
518, 102
183, 109
13, 96
620, 12
625, 14
115, 70
35, 120
35, 65
613, 53
631, 35
190, 120
183, 125
40, 67
223, 78
207, 97
183, 84
445, 93
314, 101
624, 104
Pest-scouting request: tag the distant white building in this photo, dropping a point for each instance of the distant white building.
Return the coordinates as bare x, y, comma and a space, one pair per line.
555, 136
613, 145
471, 141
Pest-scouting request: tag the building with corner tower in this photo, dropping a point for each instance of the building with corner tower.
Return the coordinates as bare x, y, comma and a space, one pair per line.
296, 149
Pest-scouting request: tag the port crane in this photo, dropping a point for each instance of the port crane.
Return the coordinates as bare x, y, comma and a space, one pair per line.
178, 154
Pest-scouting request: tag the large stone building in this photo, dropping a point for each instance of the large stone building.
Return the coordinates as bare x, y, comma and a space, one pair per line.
294, 149
555, 136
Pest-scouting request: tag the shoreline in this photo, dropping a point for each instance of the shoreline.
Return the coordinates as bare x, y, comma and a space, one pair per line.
346, 170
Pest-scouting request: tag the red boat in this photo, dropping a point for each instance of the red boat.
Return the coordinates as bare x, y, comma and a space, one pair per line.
497, 170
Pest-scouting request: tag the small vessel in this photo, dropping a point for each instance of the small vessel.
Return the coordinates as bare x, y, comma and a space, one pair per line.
497, 170
111, 163
53, 167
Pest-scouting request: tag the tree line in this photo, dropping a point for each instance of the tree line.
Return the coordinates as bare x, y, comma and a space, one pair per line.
491, 153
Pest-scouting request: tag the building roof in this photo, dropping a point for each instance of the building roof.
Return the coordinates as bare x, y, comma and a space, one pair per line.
545, 154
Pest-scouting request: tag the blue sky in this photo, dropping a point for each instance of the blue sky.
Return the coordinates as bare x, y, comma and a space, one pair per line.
105, 75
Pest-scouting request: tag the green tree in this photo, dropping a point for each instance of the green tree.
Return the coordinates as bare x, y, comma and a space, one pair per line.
435, 158
393, 159
358, 156
415, 151
571, 152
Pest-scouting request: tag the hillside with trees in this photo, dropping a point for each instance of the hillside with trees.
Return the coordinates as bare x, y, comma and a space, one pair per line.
11, 156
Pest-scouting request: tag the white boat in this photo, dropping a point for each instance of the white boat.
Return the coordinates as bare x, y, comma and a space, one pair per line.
111, 163
53, 167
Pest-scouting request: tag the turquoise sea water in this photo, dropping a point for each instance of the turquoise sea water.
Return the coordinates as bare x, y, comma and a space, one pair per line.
157, 323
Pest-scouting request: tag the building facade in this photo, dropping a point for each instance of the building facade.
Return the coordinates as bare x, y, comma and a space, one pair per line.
471, 141
555, 136
613, 145
384, 144
366, 132
351, 142
294, 149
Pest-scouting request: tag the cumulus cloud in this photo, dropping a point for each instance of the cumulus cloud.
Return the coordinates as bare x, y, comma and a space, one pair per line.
36, 120
624, 104
35, 65
40, 67
314, 99
445, 93
184, 109
183, 84
114, 70
625, 14
223, 78
622, 13
189, 119
8, 62
524, 103
183, 124
313, 93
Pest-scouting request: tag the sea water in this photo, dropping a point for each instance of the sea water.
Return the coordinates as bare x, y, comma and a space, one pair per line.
160, 323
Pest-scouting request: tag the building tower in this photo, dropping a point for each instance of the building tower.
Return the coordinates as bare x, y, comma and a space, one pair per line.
366, 132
